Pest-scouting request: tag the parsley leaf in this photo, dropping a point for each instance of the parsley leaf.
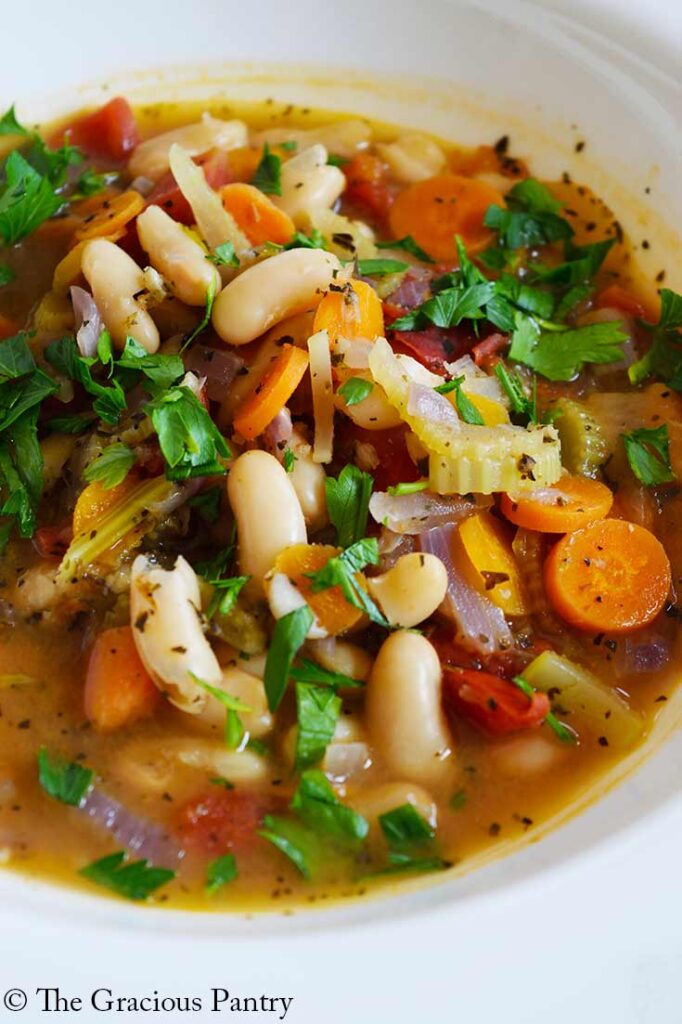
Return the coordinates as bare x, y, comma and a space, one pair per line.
207, 503
530, 218
109, 400
16, 358
90, 183
315, 240
465, 407
561, 355
513, 387
664, 358
226, 593
220, 871
318, 806
408, 488
355, 390
294, 840
348, 503
289, 459
136, 880
27, 198
63, 780
582, 263
381, 266
162, 370
224, 255
404, 826
307, 671
206, 318
268, 176
407, 244
648, 452
340, 571
9, 125
317, 711
6, 274
287, 639
111, 466
77, 424
189, 439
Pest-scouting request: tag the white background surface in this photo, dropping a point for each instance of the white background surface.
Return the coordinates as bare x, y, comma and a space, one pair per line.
597, 940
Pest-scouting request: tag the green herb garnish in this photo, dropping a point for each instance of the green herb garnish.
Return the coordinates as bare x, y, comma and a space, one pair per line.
136, 880
648, 452
63, 780
355, 390
268, 176
348, 503
287, 639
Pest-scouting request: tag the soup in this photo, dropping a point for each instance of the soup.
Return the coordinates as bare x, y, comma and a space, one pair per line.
339, 474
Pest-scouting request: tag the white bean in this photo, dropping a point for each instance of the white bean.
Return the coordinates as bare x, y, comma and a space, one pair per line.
214, 757
309, 184
381, 799
343, 138
181, 260
115, 279
412, 157
411, 590
527, 755
284, 598
308, 478
374, 412
341, 656
267, 511
251, 692
403, 708
150, 159
165, 613
267, 292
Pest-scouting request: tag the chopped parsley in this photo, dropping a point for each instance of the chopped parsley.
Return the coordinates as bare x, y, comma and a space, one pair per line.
135, 880
220, 871
531, 217
90, 183
560, 729
318, 807
268, 176
207, 503
371, 267
355, 390
648, 452
63, 780
306, 671
407, 244
317, 712
224, 255
111, 466
348, 503
206, 318
289, 460
465, 407
522, 406
109, 399
190, 441
294, 840
225, 595
404, 826
561, 354
664, 358
287, 639
340, 572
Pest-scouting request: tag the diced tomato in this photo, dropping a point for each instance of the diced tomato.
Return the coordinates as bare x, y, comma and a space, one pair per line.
367, 184
486, 353
434, 346
52, 541
502, 663
109, 133
494, 705
617, 297
8, 328
168, 196
222, 819
394, 464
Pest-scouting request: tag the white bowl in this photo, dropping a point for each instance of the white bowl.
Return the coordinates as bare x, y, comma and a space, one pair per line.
471, 72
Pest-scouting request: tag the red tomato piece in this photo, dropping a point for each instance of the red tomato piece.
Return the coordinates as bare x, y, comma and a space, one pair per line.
434, 346
367, 184
394, 463
52, 541
496, 706
222, 819
110, 132
487, 352
617, 297
168, 196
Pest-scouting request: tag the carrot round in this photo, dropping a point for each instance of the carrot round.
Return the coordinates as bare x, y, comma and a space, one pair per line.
569, 504
435, 210
110, 217
275, 389
611, 576
352, 312
118, 689
256, 215
332, 610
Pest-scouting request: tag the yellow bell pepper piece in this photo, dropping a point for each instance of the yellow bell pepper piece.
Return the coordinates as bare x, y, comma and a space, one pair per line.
54, 314
494, 571
493, 412
68, 270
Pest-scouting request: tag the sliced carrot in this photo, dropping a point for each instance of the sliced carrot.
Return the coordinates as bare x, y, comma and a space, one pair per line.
569, 504
435, 210
95, 500
352, 312
256, 215
111, 217
260, 407
332, 610
611, 576
617, 297
118, 688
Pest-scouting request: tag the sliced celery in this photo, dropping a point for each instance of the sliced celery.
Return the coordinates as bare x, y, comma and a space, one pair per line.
583, 446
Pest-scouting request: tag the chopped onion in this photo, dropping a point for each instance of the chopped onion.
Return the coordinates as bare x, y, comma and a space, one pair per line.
140, 836
426, 404
643, 654
215, 224
476, 381
323, 396
392, 546
415, 513
218, 367
355, 352
277, 434
145, 186
414, 287
480, 624
88, 321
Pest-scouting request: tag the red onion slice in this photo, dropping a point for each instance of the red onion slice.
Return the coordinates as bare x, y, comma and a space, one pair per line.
426, 404
88, 321
277, 434
415, 513
218, 367
140, 836
481, 625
